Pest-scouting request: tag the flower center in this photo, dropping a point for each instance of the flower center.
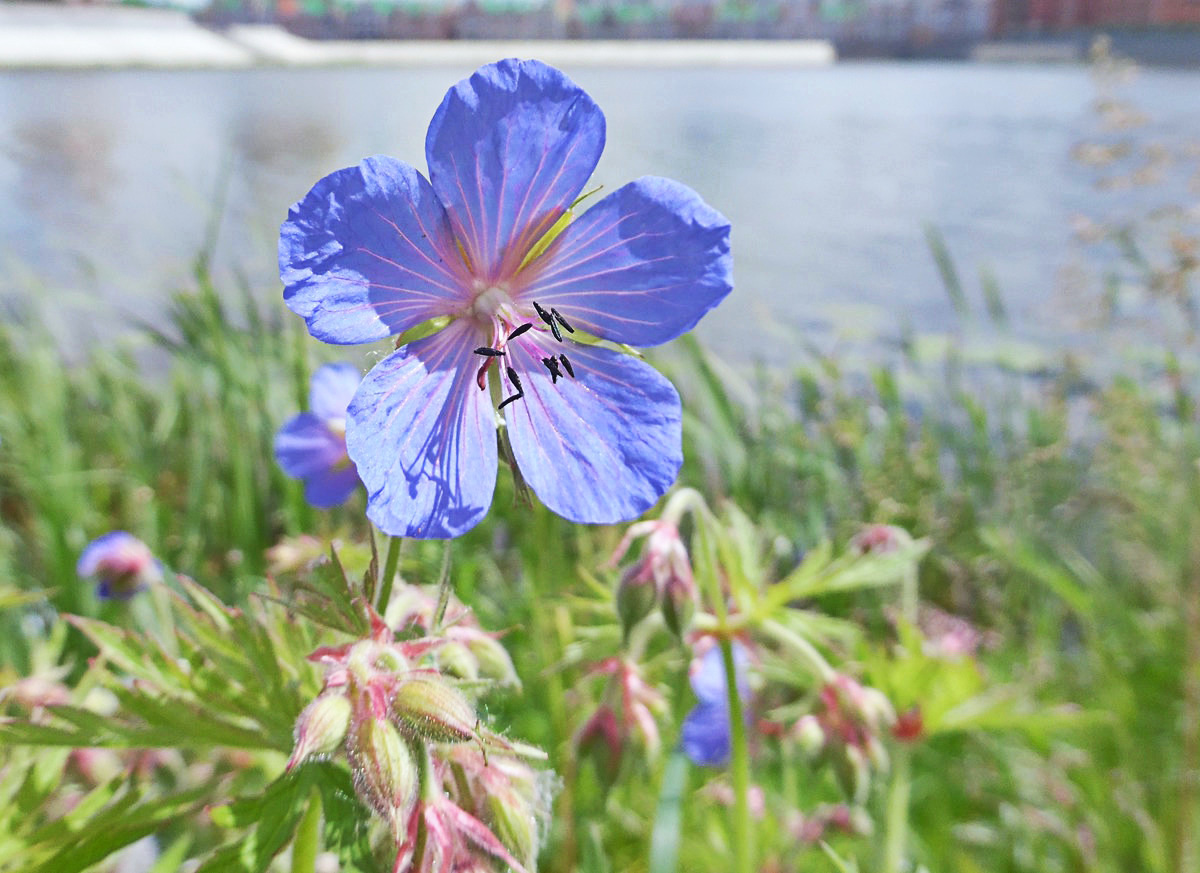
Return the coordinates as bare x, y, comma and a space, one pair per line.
491, 307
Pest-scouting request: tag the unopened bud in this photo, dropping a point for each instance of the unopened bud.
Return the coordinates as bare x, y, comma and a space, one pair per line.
636, 595
457, 660
810, 736
877, 710
514, 824
320, 728
434, 711
877, 754
678, 605
384, 770
854, 773
493, 659
600, 742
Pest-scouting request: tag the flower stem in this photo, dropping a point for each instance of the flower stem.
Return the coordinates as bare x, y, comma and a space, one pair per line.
308, 838
740, 763
896, 815
743, 833
389, 575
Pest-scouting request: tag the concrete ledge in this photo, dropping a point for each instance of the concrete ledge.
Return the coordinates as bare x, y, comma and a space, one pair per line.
273, 45
36, 36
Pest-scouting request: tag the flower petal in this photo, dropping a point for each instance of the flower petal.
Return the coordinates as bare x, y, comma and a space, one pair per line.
599, 448
423, 437
509, 150
105, 548
368, 253
333, 386
332, 487
705, 735
708, 675
305, 446
640, 267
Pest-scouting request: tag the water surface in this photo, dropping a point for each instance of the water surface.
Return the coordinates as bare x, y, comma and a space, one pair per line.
108, 180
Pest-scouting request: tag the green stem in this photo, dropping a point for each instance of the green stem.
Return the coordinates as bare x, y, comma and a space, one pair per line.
896, 821
308, 838
740, 763
743, 833
389, 575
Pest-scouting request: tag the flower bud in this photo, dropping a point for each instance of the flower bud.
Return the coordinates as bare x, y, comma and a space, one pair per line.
678, 605
877, 755
384, 771
599, 741
457, 660
513, 822
636, 595
493, 659
810, 736
434, 711
320, 728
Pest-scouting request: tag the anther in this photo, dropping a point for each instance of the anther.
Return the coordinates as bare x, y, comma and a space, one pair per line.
489, 352
567, 364
552, 365
543, 314
558, 317
516, 380
517, 331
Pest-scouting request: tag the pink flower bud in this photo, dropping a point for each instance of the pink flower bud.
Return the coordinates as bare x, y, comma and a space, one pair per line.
321, 728
599, 741
434, 711
679, 604
385, 773
637, 593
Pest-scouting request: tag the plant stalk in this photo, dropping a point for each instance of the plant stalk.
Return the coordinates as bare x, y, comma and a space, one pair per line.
308, 838
389, 575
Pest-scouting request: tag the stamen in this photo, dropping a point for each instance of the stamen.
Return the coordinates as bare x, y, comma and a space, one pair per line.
489, 352
516, 380
516, 332
545, 316
567, 364
558, 316
552, 365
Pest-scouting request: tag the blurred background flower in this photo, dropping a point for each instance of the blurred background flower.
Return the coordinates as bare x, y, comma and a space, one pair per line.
312, 446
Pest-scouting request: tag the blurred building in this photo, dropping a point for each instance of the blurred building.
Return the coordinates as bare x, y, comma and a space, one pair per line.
1024, 17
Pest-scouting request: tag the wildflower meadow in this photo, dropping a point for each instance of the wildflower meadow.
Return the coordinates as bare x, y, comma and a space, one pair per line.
460, 554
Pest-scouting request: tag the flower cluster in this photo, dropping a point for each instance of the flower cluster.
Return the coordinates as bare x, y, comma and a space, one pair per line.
848, 729
454, 795
627, 713
663, 576
483, 267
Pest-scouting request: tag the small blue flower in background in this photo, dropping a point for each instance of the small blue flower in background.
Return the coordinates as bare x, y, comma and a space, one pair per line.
375, 250
705, 734
122, 565
312, 446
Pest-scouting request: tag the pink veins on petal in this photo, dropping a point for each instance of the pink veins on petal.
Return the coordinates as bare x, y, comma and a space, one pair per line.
377, 249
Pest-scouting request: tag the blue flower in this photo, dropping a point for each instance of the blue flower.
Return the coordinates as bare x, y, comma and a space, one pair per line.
705, 733
121, 563
312, 446
483, 245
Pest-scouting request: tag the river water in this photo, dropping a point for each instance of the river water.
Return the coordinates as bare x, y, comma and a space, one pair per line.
109, 180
